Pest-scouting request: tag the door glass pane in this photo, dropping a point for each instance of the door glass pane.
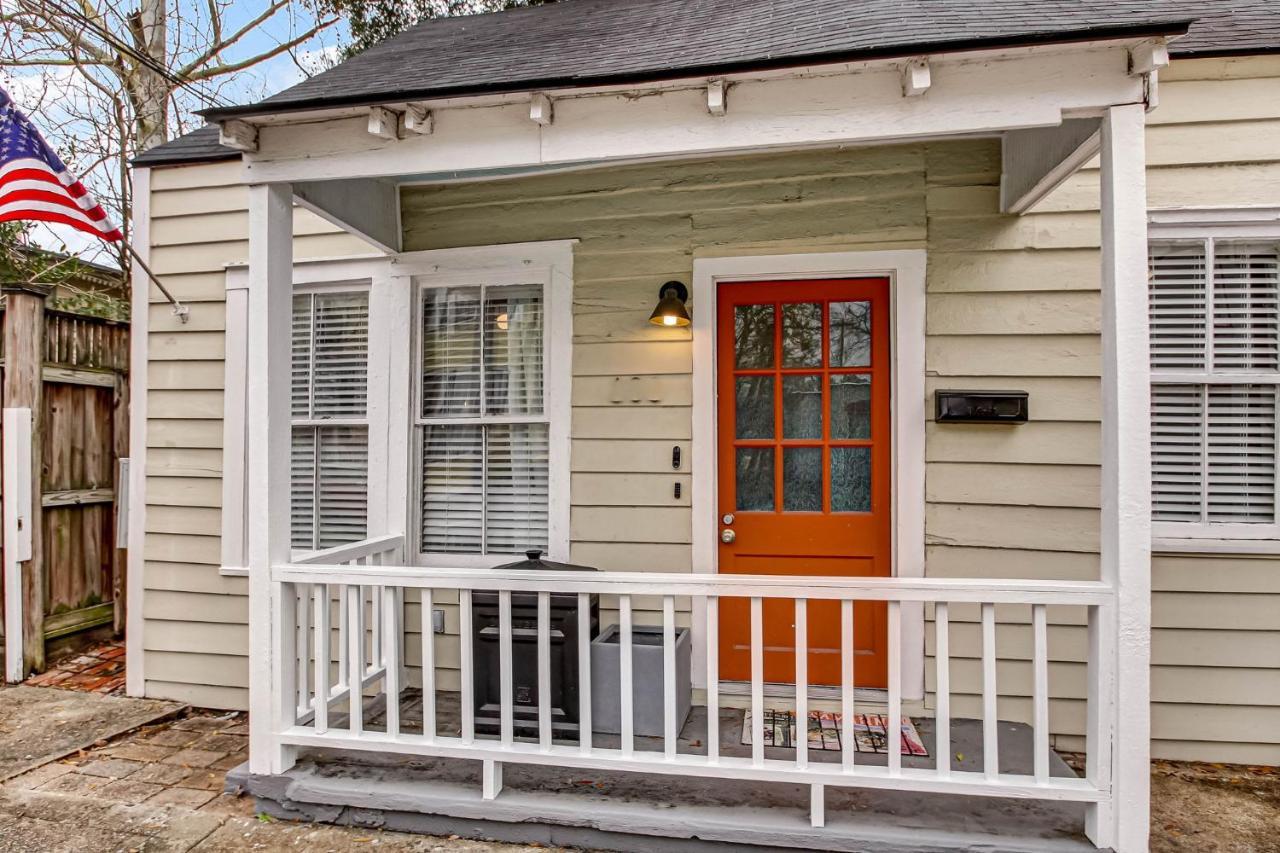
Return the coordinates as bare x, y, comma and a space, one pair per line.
802, 406
851, 479
802, 479
850, 334
850, 406
753, 336
754, 406
755, 478
802, 334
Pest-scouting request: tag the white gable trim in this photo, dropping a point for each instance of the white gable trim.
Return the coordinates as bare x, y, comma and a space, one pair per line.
906, 273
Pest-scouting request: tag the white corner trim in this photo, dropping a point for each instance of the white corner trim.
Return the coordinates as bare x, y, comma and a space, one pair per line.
906, 273
135, 560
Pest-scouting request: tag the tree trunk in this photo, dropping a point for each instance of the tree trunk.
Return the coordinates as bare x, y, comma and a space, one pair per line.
151, 95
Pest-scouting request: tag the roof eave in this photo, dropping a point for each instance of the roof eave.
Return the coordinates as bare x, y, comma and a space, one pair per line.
1167, 29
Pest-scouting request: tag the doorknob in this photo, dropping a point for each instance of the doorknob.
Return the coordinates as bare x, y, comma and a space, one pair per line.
727, 536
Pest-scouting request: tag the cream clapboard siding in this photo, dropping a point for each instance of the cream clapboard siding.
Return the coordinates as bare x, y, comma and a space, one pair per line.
1012, 303
639, 226
1214, 141
195, 635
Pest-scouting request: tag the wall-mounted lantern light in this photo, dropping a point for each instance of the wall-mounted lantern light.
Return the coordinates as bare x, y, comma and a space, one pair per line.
671, 310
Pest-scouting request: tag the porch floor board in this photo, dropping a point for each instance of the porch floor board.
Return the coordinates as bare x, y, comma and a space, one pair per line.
651, 812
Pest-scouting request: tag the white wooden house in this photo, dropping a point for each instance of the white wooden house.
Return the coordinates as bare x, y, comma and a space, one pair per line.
420, 343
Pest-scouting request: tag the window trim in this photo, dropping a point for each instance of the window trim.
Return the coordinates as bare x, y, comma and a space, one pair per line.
1206, 226
337, 274
549, 264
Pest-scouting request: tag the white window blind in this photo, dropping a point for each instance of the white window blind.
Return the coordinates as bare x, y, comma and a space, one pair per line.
484, 443
329, 461
1215, 368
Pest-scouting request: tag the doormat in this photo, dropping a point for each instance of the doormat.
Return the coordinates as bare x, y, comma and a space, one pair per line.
824, 732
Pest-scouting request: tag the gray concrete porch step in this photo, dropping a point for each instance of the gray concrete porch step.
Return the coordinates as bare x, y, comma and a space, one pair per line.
651, 812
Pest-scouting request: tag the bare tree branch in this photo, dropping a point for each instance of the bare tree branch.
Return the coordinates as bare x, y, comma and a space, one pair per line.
218, 70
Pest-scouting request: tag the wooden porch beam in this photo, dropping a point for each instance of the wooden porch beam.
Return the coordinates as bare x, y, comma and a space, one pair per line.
1036, 161
368, 208
985, 93
271, 691
1119, 724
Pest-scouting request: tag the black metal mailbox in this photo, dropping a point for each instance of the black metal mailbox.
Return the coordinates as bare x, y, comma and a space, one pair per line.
981, 407
563, 634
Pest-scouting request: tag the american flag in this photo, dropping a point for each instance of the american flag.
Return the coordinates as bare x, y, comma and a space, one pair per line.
34, 183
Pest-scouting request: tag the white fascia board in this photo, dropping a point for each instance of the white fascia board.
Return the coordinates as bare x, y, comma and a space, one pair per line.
808, 107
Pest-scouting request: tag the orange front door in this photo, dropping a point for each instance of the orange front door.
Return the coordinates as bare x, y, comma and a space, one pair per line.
804, 463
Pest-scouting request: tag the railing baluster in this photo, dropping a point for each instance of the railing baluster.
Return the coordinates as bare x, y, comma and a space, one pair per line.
757, 680
544, 670
391, 647
1040, 627
344, 631
848, 746
802, 683
428, 667
669, 734
303, 645
893, 726
376, 656
942, 701
321, 653
355, 657
506, 709
468, 697
584, 672
624, 673
990, 712
713, 678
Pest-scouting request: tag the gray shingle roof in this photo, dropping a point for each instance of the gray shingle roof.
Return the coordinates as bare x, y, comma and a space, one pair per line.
580, 42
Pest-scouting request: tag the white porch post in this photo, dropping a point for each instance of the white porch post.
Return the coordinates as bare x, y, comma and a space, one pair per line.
1122, 723
271, 693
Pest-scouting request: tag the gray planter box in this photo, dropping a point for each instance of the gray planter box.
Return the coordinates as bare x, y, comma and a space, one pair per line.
646, 682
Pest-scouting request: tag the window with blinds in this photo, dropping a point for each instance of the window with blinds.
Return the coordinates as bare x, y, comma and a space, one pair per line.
329, 460
483, 432
1215, 368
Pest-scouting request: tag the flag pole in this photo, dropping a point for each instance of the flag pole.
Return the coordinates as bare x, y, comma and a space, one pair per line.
182, 312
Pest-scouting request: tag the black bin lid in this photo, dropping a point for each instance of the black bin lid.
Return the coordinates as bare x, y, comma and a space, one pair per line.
533, 562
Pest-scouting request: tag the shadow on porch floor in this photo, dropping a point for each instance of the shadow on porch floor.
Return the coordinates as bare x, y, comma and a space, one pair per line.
596, 809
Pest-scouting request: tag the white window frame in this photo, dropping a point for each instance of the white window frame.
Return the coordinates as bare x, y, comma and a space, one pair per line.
549, 264
344, 274
1205, 226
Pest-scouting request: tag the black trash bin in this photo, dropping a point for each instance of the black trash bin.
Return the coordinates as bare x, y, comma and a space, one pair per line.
524, 655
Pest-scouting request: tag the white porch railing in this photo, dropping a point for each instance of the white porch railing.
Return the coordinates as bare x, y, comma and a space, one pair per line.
364, 581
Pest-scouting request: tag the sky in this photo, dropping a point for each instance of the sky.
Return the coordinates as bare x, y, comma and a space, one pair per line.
40, 92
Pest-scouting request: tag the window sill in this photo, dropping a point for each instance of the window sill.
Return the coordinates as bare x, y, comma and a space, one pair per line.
234, 571
1171, 545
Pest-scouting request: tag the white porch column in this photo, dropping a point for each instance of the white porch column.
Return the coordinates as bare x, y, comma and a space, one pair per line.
1122, 727
271, 692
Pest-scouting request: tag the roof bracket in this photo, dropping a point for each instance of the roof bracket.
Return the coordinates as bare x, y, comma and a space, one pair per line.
717, 97
384, 123
1148, 57
541, 110
239, 135
916, 78
418, 119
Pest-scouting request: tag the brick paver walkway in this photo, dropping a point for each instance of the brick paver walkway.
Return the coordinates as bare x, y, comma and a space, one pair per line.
98, 670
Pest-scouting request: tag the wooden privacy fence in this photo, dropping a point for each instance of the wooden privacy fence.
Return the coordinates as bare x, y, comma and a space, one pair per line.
71, 371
